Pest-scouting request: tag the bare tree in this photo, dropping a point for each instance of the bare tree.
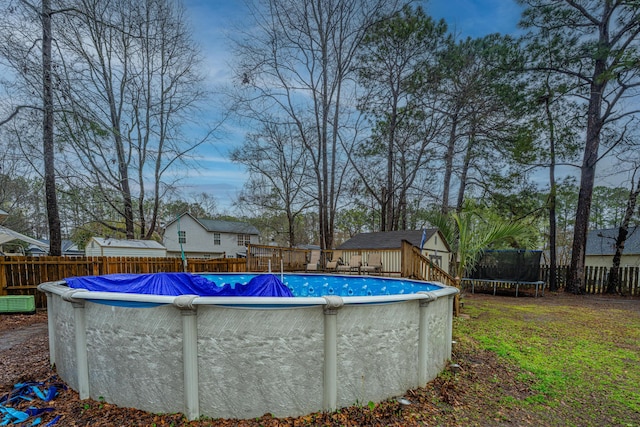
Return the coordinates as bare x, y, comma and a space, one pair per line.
278, 182
132, 84
297, 64
24, 62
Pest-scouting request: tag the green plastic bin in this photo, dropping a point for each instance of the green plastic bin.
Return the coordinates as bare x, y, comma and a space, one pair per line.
17, 304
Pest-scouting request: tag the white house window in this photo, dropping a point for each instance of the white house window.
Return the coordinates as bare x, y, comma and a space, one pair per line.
182, 237
244, 239
436, 259
216, 238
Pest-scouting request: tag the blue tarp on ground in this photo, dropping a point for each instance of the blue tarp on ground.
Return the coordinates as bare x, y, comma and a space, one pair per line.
174, 284
29, 392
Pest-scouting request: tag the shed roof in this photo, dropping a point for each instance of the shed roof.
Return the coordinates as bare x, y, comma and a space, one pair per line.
121, 243
388, 239
602, 242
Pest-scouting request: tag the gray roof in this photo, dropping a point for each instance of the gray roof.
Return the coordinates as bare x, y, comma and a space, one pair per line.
220, 226
386, 239
67, 246
121, 243
602, 242
7, 235
228, 226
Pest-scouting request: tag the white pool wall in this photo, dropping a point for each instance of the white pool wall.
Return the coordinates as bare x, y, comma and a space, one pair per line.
248, 359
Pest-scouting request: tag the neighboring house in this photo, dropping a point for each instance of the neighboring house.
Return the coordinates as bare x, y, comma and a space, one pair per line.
99, 246
208, 238
435, 246
68, 249
601, 248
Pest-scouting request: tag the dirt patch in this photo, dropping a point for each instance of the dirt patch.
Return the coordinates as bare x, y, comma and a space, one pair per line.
13, 321
17, 337
24, 348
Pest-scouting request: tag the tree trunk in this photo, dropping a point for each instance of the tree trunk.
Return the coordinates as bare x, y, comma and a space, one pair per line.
464, 173
292, 233
390, 194
553, 262
448, 163
575, 281
53, 216
613, 285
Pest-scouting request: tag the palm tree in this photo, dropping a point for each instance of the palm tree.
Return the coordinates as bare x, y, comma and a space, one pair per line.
469, 234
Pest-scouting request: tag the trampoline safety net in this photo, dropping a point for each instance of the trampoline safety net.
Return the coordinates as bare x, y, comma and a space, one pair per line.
508, 265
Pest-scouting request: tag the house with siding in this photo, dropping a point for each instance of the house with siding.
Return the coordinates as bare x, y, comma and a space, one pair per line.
105, 246
208, 238
435, 246
601, 248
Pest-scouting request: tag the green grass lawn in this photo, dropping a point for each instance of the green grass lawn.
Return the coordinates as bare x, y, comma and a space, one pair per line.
580, 356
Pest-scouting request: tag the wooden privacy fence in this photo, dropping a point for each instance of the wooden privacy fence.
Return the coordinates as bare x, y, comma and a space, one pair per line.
597, 279
21, 275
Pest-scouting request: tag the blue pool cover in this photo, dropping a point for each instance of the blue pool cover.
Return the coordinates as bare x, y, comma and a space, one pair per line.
174, 284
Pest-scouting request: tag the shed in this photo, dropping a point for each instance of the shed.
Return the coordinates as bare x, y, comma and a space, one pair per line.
435, 246
99, 246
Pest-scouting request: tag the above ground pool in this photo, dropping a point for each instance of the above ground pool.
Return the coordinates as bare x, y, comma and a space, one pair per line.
331, 342
315, 285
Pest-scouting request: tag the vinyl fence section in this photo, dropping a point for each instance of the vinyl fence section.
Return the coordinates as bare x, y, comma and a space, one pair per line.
21, 275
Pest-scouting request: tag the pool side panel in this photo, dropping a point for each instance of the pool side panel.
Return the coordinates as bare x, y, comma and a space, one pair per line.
257, 361
377, 351
135, 356
439, 342
65, 338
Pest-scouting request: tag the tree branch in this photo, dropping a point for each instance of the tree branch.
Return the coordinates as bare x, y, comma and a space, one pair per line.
16, 111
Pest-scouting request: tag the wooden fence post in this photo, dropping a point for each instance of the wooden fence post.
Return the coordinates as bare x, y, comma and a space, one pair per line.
3, 277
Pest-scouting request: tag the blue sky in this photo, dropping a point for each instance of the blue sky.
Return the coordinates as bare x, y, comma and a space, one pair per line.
213, 20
